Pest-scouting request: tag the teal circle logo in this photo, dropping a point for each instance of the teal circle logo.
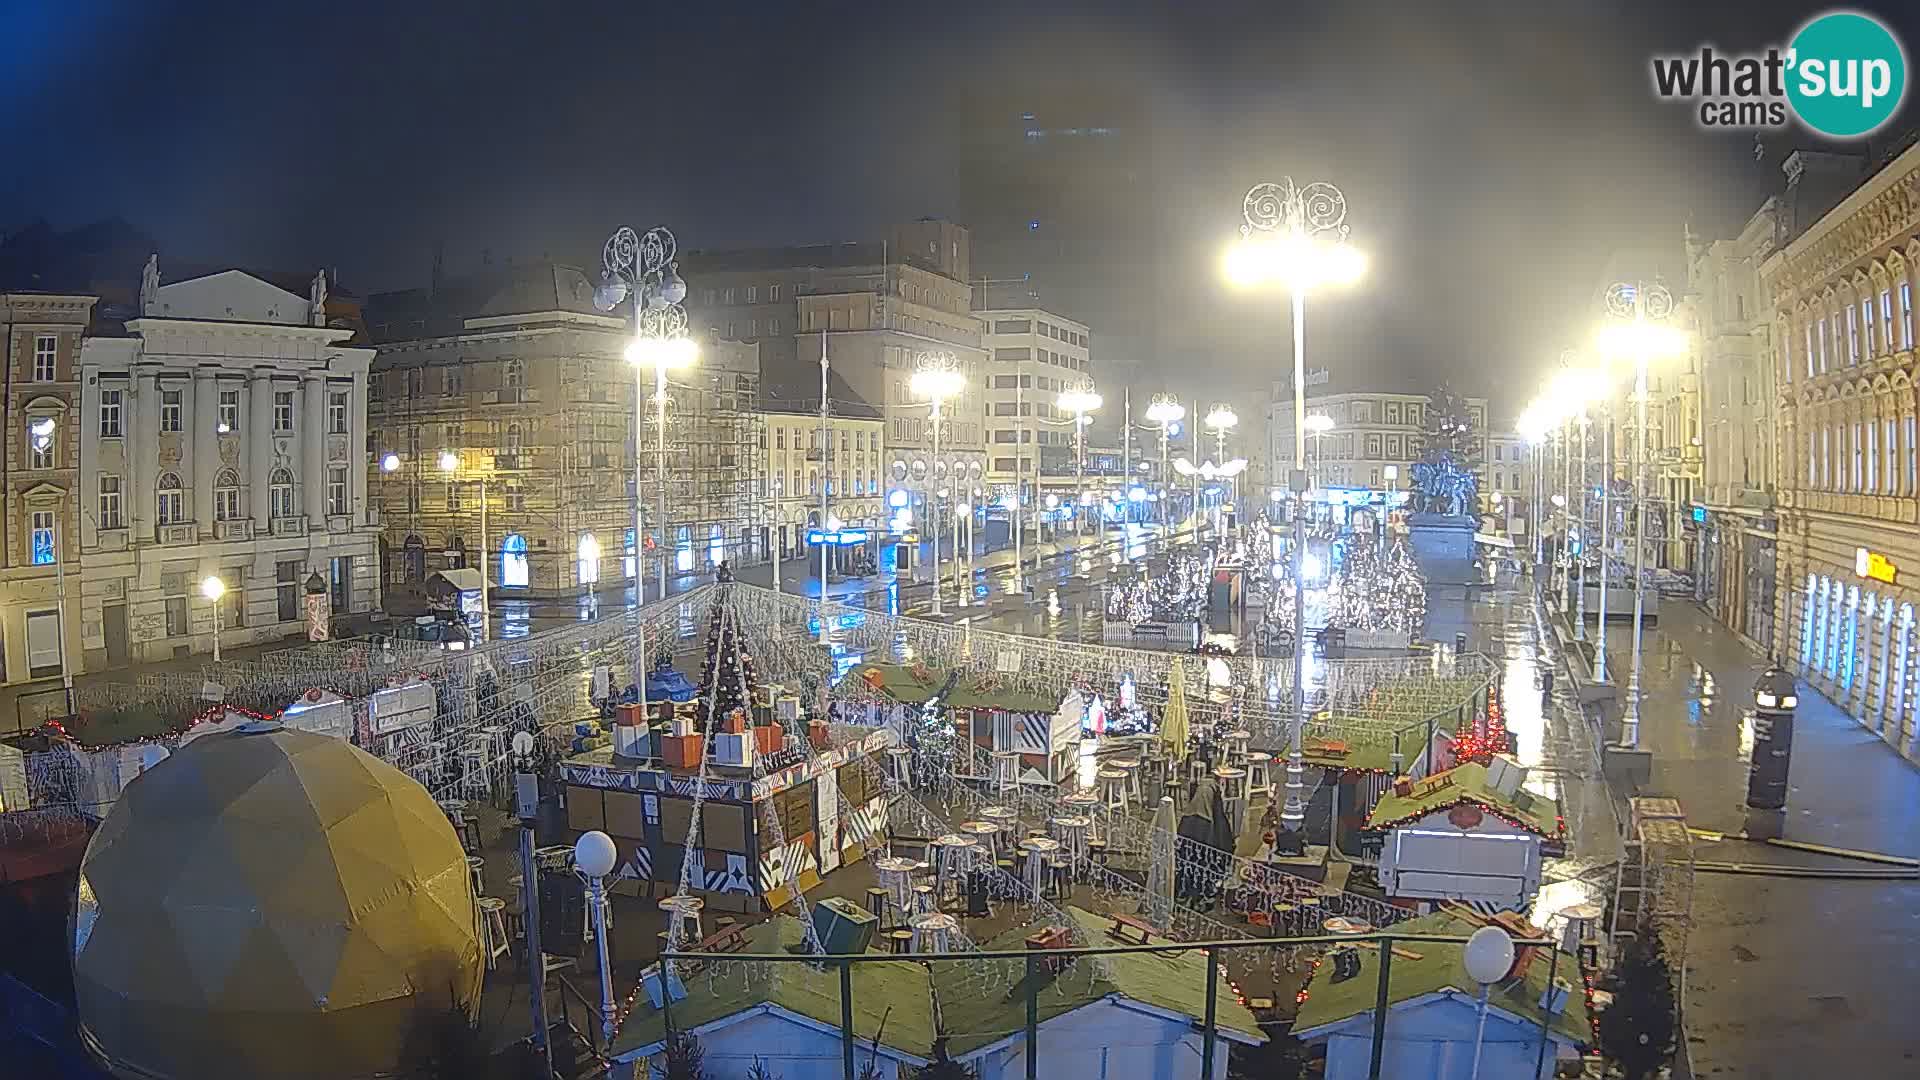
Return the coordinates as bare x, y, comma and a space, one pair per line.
1846, 74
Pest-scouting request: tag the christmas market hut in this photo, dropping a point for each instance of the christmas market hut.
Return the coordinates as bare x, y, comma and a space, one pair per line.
1472, 833
1434, 1009
777, 808
996, 719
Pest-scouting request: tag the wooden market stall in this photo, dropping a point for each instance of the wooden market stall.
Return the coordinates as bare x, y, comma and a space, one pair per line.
992, 716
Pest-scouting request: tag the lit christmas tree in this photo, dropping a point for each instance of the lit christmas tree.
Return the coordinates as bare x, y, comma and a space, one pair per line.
727, 678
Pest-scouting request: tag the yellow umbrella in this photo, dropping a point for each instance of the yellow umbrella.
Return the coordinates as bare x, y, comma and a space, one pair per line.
1173, 722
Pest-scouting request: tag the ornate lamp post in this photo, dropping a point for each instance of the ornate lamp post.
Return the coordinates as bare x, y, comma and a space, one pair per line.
1296, 236
450, 465
936, 376
1165, 411
1637, 330
1221, 419
1080, 401
641, 267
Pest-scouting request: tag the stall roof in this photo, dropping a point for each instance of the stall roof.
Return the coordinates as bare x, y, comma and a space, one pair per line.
900, 683
463, 579
1461, 784
1438, 970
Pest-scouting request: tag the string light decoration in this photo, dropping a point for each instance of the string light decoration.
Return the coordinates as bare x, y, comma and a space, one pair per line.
1486, 734
1373, 593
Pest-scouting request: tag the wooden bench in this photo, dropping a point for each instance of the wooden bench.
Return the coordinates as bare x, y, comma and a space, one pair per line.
1130, 931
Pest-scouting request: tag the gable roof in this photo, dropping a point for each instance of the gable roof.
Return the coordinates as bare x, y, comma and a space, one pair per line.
896, 992
1173, 983
1468, 783
898, 682
1439, 970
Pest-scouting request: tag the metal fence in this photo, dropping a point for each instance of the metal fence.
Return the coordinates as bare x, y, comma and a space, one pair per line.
1040, 968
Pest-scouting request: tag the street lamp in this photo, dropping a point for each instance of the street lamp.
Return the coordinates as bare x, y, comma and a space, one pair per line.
1165, 411
450, 464
1295, 237
1221, 419
1317, 426
1637, 331
1080, 401
641, 267
213, 589
937, 378
594, 856
390, 463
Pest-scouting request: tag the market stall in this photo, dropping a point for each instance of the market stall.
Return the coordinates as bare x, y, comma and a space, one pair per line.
990, 716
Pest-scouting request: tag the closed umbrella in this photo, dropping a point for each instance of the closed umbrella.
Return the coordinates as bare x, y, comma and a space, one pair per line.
1160, 868
1173, 721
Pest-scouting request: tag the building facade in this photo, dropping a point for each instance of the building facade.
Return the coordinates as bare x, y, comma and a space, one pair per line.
41, 335
1370, 431
1736, 545
222, 432
852, 467
524, 383
1841, 298
1034, 357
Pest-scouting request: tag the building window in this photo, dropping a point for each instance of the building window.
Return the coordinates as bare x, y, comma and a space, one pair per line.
229, 411
753, 294
1810, 352
452, 381
1873, 457
45, 348
43, 538
176, 616
280, 494
110, 502
515, 497
1866, 324
1906, 315
453, 495
454, 436
110, 413
779, 438
773, 293
336, 491
226, 496
283, 410
41, 436
1820, 332
286, 590
170, 410
337, 413
169, 501
512, 374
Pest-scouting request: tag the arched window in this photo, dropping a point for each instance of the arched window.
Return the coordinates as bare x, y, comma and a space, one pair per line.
511, 443
170, 500
513, 561
416, 555
280, 490
226, 495
589, 552
513, 375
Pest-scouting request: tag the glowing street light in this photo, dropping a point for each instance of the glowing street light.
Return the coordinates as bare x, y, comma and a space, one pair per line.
1165, 411
390, 463
450, 464
213, 589
1295, 237
937, 378
1080, 401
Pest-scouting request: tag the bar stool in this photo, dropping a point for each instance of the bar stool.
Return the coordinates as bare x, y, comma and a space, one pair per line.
876, 906
1039, 849
474, 764
1260, 773
1007, 818
496, 736
493, 929
900, 765
924, 900
1236, 746
1233, 789
686, 908
984, 833
1006, 771
476, 874
950, 866
1113, 788
1131, 766
900, 941
933, 932
1087, 805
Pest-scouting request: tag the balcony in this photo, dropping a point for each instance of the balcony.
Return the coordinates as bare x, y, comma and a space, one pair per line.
113, 539
290, 526
521, 395
176, 534
233, 529
339, 523
511, 461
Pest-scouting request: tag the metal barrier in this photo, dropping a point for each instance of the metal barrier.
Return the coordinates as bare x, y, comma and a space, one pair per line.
33, 708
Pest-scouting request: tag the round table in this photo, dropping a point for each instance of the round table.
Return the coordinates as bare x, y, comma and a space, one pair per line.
1040, 851
687, 907
953, 855
1004, 816
984, 833
1071, 831
1340, 924
895, 874
931, 931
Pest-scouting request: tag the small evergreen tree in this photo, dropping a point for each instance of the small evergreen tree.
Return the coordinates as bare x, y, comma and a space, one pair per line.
761, 1072
943, 1067
681, 1058
1637, 1029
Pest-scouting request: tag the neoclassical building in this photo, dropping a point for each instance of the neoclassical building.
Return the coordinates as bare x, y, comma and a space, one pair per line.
1842, 298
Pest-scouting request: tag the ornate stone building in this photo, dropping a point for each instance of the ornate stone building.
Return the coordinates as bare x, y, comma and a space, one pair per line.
1842, 301
222, 432
514, 373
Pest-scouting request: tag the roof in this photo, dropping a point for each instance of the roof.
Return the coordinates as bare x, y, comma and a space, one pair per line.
901, 684
896, 992
1169, 982
1439, 970
1536, 813
463, 578
777, 395
530, 288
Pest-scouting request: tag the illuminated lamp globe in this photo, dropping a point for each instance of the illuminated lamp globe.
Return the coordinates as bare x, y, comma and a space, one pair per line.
594, 854
1488, 955
271, 903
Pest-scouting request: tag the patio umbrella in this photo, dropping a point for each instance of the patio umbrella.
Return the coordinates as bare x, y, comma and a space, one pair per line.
1173, 721
1160, 868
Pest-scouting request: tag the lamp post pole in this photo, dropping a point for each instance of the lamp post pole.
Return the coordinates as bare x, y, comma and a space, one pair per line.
938, 376
826, 482
1580, 597
1648, 303
1566, 518
1309, 224
1606, 541
933, 496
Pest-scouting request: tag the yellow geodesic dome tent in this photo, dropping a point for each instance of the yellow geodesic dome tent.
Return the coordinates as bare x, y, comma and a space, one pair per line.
271, 903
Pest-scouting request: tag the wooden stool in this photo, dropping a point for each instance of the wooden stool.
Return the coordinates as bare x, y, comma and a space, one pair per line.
1006, 771
493, 929
899, 762
1040, 850
1113, 788
876, 904
900, 941
1097, 852
1236, 746
1260, 773
924, 900
476, 874
1131, 766
1071, 831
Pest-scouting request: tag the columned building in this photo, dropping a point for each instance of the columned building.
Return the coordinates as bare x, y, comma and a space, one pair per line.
1841, 295
514, 378
852, 466
222, 432
40, 550
1735, 568
1369, 432
1034, 356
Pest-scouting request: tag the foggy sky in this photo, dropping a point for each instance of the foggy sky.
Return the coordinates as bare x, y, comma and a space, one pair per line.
1494, 155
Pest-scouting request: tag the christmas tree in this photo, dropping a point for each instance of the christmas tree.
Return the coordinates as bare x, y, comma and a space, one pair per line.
1636, 1031
727, 679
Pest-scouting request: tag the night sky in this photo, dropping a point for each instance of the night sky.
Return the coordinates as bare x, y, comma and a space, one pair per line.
1495, 156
